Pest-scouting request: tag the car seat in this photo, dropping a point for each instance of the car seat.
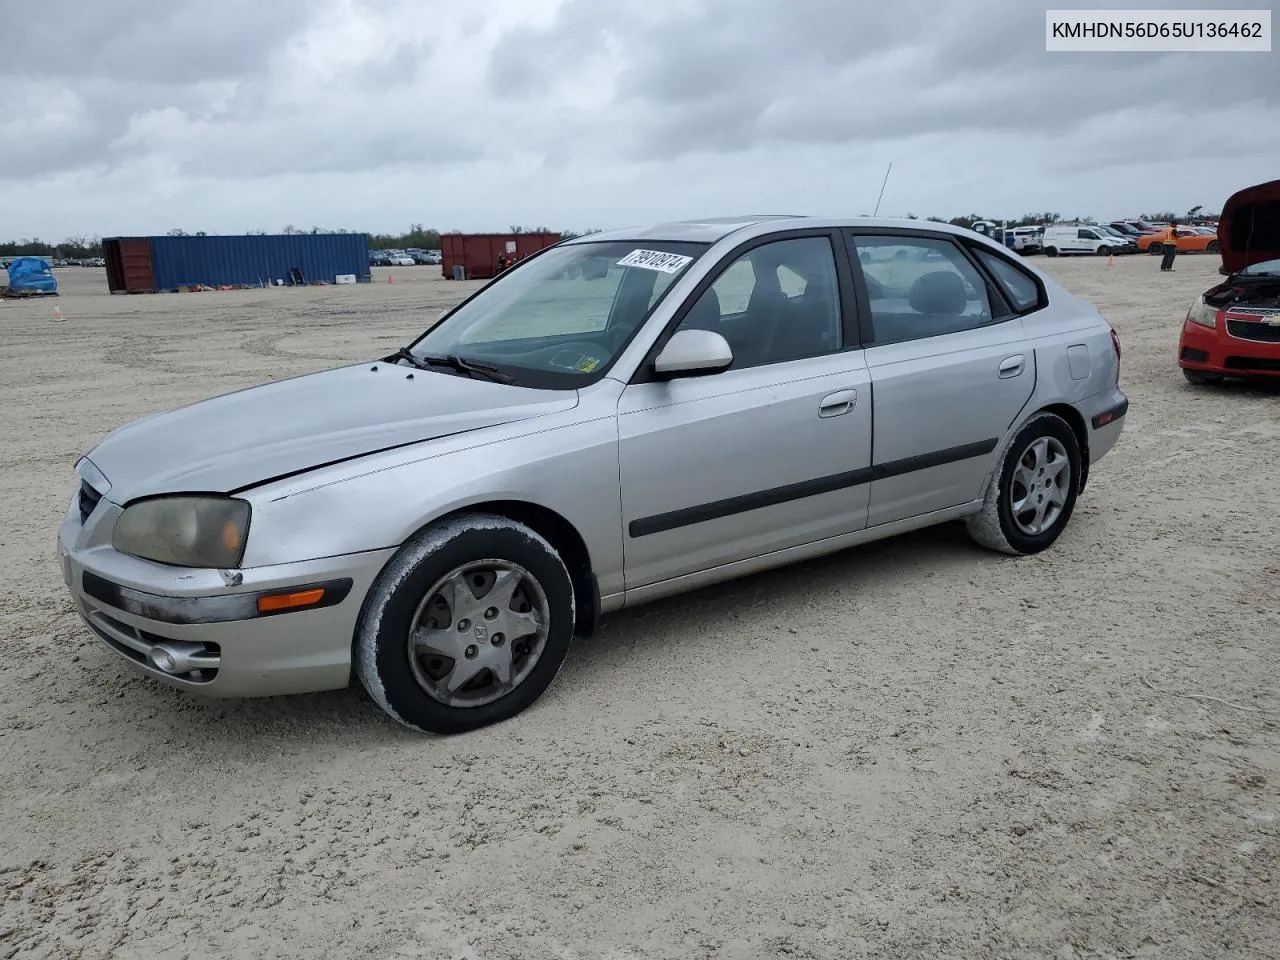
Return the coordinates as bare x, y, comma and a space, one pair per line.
811, 327
939, 299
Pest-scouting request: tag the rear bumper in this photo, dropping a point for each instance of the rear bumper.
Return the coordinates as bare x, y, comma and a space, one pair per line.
1105, 415
1217, 351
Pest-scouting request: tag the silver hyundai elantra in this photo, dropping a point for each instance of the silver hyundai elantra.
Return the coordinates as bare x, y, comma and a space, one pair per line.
618, 418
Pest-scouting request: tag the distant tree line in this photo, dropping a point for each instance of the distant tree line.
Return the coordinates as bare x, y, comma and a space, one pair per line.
1034, 219
75, 248
420, 237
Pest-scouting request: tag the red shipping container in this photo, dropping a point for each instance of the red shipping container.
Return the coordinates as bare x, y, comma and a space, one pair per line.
477, 253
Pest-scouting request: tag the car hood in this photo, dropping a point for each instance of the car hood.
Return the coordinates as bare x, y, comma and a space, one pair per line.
261, 433
1249, 227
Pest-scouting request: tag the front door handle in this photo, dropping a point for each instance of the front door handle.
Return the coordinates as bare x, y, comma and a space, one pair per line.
835, 404
1011, 366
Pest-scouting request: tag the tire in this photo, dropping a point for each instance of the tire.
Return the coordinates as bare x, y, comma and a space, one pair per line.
1104, 251
1156, 249
1201, 379
995, 525
1050, 251
1212, 247
469, 546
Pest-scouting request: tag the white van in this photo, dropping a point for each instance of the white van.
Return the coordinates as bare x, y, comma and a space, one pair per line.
1028, 239
1075, 238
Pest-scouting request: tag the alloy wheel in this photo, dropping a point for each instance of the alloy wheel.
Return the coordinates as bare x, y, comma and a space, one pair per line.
478, 633
1040, 486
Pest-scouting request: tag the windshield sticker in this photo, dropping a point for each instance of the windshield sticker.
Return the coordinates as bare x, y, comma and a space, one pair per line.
655, 260
587, 364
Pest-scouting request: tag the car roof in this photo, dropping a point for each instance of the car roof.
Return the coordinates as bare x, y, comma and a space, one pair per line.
712, 229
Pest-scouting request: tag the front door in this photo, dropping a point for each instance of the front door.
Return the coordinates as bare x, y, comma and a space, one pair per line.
950, 367
771, 453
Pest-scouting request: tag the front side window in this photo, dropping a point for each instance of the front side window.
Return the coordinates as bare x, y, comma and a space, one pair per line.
777, 302
920, 287
560, 320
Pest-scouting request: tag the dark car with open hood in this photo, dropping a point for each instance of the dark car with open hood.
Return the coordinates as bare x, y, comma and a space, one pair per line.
1233, 329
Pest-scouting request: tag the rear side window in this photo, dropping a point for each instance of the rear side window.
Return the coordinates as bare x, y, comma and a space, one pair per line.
1020, 288
920, 287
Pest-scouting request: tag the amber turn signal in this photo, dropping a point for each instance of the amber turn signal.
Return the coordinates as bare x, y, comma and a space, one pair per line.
275, 602
230, 536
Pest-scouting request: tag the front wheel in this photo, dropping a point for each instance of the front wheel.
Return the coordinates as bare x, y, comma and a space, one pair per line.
1032, 493
1050, 251
1213, 246
467, 626
1156, 249
1104, 251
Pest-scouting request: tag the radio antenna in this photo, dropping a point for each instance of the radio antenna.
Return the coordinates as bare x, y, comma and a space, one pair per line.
882, 186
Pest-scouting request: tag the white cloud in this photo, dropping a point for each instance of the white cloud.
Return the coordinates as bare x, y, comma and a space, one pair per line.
127, 116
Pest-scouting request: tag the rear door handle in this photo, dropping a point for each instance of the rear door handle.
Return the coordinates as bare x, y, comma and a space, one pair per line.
836, 404
1011, 366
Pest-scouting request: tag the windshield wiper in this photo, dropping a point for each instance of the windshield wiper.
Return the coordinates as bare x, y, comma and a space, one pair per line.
404, 353
481, 370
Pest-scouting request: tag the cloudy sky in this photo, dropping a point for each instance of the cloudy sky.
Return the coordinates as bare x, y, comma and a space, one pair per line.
138, 116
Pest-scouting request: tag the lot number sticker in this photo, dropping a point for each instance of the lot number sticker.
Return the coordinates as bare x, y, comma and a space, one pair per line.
655, 260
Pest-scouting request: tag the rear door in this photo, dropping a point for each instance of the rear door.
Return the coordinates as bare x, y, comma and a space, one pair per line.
950, 367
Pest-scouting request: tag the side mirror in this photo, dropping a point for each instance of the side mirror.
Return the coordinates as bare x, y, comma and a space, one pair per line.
692, 353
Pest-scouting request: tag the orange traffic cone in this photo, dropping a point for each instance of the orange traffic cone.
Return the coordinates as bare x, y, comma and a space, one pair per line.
1111, 259
57, 314
388, 278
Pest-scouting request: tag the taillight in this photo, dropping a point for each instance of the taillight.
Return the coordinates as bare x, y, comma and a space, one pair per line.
1115, 343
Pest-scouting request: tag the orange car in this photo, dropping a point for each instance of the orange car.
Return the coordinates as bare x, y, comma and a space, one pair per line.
1188, 241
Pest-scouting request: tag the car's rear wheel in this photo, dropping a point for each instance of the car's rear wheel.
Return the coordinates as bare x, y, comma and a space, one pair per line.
467, 626
1213, 246
1032, 493
1202, 379
1156, 249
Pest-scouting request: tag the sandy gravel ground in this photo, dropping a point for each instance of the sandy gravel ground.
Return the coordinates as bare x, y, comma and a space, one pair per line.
915, 749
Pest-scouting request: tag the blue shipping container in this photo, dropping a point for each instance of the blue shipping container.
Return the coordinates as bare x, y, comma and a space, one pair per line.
249, 259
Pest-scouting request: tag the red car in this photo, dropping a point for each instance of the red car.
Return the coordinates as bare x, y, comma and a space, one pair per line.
1233, 329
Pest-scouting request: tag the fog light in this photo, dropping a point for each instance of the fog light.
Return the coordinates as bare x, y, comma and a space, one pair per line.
163, 660
176, 657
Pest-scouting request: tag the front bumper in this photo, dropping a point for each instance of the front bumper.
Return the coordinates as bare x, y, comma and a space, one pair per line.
210, 619
1218, 350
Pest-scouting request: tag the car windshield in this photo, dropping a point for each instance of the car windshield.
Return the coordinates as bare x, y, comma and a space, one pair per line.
560, 319
1266, 268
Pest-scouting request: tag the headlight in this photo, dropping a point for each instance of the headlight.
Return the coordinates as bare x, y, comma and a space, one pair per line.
185, 531
1203, 314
